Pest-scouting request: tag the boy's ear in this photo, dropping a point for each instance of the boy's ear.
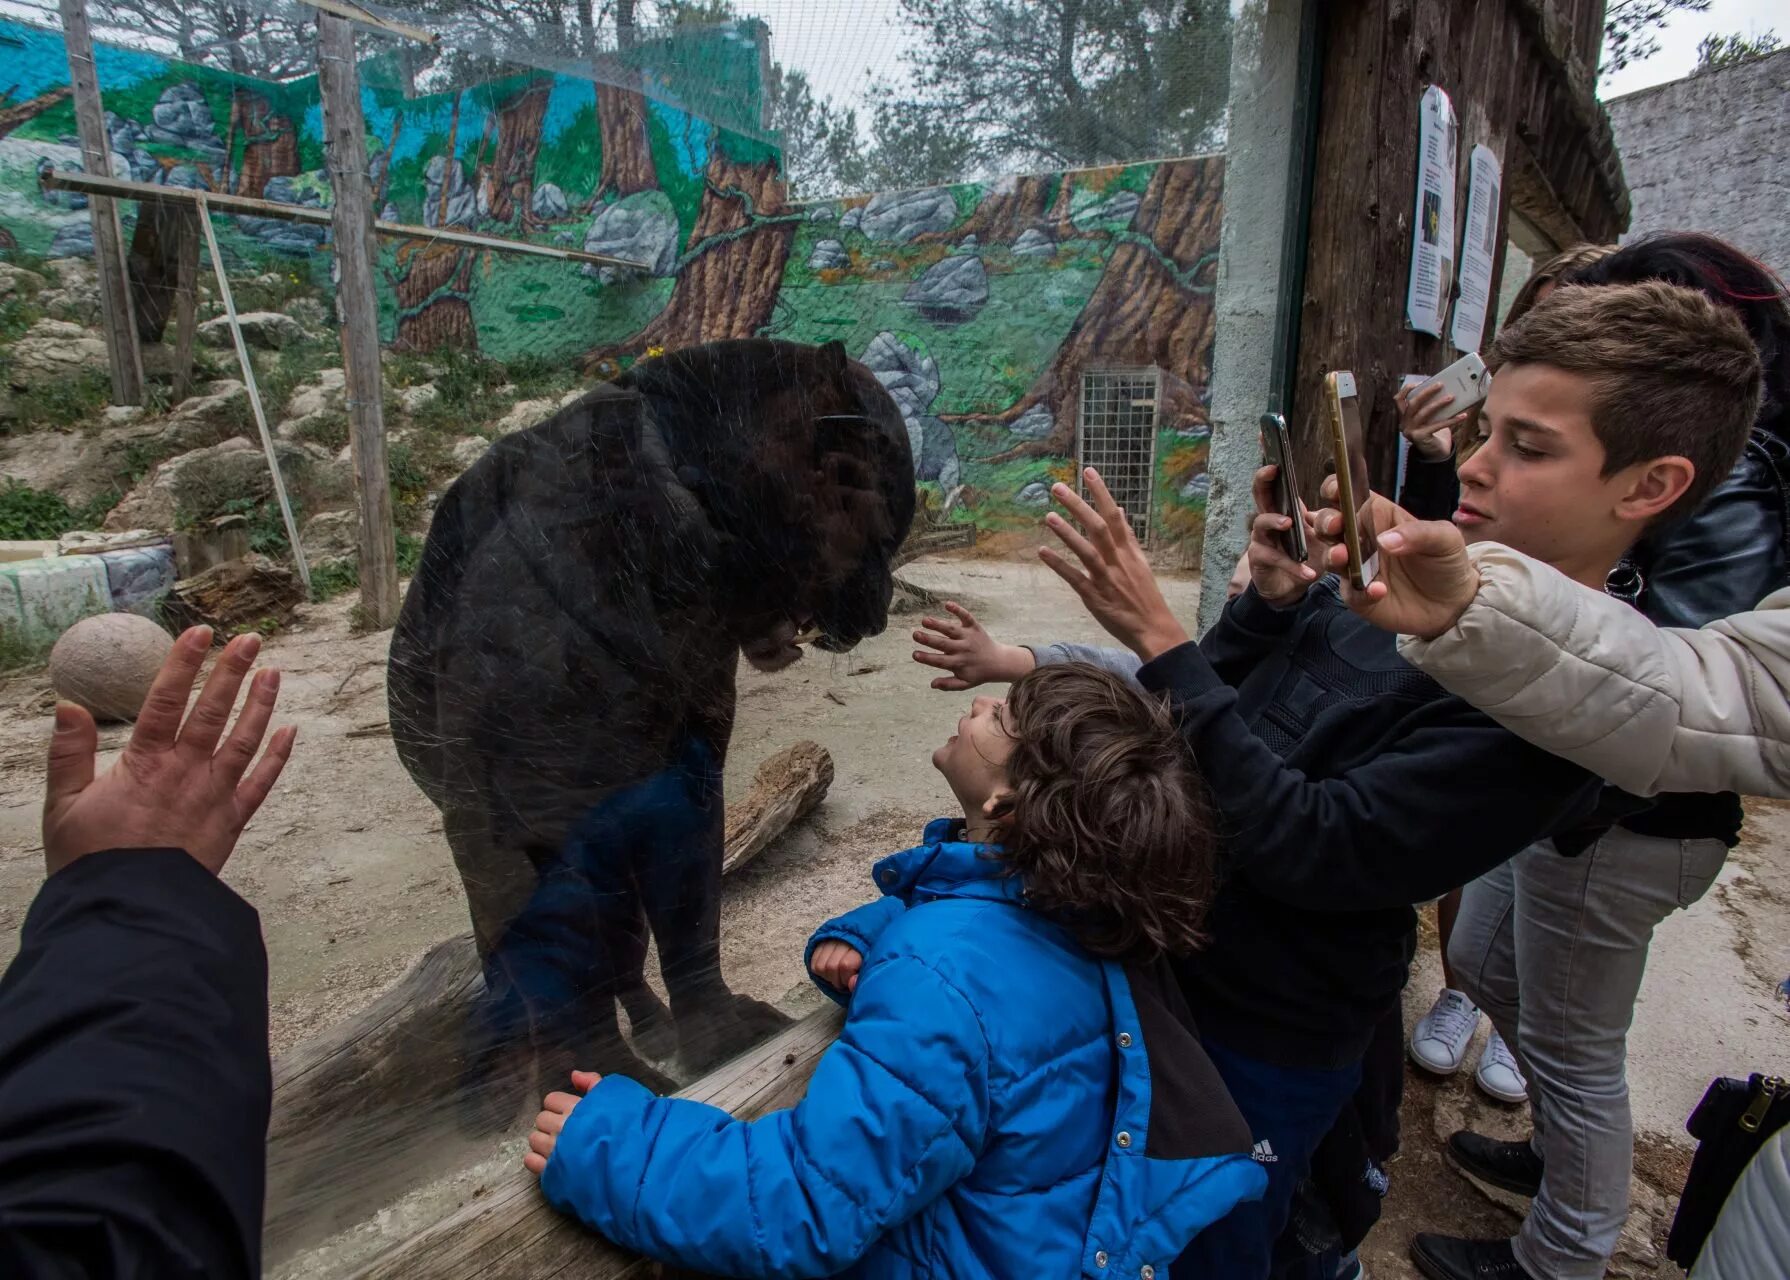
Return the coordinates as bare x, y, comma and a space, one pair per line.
1654, 487
995, 806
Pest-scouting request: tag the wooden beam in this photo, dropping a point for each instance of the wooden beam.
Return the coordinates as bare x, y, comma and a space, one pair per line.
186, 302
248, 377
345, 152
127, 189
354, 13
116, 318
510, 1232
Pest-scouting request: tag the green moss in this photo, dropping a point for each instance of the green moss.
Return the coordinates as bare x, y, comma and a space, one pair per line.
30, 515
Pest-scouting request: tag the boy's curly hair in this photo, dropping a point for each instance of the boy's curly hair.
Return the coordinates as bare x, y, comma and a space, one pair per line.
1107, 819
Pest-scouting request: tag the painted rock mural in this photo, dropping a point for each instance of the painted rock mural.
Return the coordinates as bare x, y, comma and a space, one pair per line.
980, 306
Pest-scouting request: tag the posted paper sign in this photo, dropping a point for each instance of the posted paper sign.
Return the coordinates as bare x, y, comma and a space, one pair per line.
1478, 252
1432, 239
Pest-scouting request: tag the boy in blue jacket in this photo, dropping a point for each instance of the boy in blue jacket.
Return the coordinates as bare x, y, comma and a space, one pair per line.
1018, 1089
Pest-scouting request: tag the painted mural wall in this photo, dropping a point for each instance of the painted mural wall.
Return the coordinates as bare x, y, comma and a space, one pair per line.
979, 305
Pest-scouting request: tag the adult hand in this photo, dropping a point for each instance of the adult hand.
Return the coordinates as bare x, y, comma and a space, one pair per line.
174, 786
837, 964
1279, 579
1423, 420
1117, 586
1425, 581
552, 1120
960, 646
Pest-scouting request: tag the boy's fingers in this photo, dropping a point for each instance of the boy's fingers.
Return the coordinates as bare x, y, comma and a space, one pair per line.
158, 724
211, 713
585, 1081
550, 1122
1083, 514
542, 1144
1078, 581
1104, 503
73, 744
962, 614
951, 684
561, 1102
535, 1164
927, 658
1328, 490
944, 626
933, 639
1083, 549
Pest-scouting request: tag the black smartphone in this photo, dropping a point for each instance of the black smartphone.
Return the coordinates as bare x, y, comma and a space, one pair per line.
1277, 452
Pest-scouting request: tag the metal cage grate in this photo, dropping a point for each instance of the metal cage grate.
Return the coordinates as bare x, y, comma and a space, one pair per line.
1117, 437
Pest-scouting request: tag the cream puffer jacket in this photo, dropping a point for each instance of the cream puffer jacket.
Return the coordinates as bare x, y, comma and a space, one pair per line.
1751, 1238
1587, 677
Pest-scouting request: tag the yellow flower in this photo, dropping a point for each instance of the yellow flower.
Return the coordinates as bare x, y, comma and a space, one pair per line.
651, 352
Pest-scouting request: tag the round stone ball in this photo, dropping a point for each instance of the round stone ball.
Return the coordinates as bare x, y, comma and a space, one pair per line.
106, 663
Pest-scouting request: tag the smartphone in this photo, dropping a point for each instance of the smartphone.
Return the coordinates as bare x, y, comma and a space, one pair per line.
1467, 380
1344, 413
1277, 452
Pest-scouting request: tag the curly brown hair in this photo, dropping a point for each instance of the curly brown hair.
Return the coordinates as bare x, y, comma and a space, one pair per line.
1107, 818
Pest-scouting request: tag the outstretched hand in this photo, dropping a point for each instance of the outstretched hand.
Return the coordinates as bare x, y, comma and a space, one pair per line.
556, 1110
1115, 581
963, 649
1425, 581
174, 786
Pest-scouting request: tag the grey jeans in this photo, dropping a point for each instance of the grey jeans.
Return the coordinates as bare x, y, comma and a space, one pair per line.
1553, 948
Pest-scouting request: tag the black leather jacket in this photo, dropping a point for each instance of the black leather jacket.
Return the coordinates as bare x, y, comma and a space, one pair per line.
1730, 553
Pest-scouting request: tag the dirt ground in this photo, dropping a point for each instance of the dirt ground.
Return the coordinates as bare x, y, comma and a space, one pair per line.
353, 880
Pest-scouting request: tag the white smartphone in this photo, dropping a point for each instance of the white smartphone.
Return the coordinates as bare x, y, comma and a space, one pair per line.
1466, 380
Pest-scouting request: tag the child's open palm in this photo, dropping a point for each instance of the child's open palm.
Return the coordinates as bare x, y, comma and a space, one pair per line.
558, 1109
961, 647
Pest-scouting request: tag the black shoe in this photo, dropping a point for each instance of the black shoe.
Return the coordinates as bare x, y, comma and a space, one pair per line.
1448, 1258
1509, 1166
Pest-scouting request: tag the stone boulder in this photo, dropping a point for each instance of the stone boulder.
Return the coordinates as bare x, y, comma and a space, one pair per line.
54, 351
643, 228
16, 282
331, 536
268, 330
549, 203
74, 290
936, 458
829, 255
183, 119
417, 398
1035, 494
185, 176
468, 450
56, 197
951, 290
1034, 242
1115, 208
912, 381
196, 486
106, 663
298, 239
326, 395
852, 219
523, 415
309, 312
901, 215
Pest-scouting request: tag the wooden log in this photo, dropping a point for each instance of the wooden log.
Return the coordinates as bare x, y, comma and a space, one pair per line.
235, 596
786, 788
223, 202
367, 1111
186, 302
346, 149
510, 1231
122, 351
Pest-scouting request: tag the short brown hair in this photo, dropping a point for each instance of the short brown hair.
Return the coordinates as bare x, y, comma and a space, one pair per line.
1107, 820
1554, 271
1674, 374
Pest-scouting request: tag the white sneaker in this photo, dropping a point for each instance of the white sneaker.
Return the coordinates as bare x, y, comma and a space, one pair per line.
1498, 1074
1439, 1040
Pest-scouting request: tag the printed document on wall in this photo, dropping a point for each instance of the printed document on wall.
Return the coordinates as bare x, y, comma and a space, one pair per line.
1479, 251
1432, 238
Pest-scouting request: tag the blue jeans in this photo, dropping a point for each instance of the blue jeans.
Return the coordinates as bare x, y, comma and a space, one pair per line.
1288, 1110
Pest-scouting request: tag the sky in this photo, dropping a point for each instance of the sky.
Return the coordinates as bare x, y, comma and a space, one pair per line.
840, 44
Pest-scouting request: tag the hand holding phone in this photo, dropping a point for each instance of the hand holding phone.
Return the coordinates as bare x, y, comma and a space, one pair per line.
1343, 411
1277, 452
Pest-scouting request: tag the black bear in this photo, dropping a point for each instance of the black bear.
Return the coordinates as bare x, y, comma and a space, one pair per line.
562, 673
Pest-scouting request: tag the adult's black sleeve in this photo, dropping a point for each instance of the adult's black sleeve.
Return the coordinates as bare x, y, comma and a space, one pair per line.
1448, 795
1726, 557
134, 1076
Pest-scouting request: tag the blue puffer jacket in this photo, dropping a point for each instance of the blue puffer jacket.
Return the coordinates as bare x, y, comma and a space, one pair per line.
1000, 1103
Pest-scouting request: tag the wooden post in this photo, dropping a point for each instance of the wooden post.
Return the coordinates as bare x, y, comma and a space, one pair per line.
248, 378
115, 312
345, 149
186, 301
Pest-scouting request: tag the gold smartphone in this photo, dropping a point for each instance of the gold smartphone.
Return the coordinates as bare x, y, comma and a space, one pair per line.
1344, 412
